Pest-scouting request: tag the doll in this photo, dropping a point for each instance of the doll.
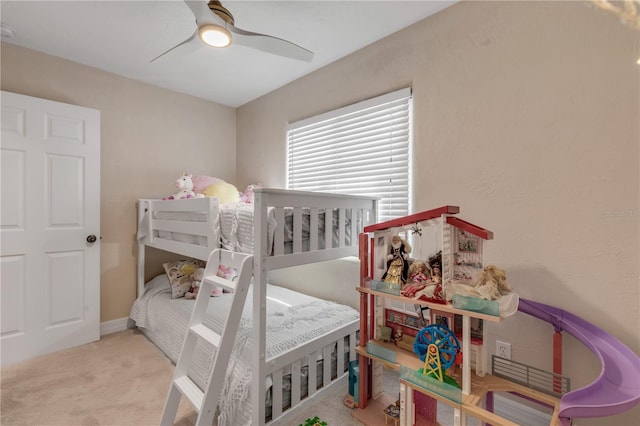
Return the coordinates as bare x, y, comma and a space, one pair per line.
491, 285
430, 290
418, 278
418, 272
397, 265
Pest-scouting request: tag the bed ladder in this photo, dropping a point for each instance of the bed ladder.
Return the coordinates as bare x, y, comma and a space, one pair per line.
206, 401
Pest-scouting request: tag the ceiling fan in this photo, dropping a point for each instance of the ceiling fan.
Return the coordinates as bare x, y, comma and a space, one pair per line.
215, 27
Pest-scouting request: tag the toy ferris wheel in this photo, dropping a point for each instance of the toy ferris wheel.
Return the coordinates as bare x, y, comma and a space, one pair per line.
437, 346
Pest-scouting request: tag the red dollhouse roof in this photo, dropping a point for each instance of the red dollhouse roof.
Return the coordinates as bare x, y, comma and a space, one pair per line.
485, 234
432, 214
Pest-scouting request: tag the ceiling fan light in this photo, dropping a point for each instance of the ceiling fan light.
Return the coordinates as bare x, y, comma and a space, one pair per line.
215, 36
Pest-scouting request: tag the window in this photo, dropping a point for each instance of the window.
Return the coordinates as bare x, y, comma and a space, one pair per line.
359, 149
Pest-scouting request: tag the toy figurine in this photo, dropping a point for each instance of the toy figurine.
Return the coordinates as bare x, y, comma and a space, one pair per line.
397, 265
418, 278
431, 290
397, 335
418, 272
436, 275
490, 285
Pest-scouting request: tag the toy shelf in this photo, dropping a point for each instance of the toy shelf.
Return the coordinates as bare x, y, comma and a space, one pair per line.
437, 306
406, 358
471, 403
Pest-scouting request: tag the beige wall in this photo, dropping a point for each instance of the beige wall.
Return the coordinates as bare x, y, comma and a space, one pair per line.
526, 115
148, 137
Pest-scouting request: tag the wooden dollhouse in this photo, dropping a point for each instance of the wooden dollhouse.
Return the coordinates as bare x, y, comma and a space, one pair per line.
390, 321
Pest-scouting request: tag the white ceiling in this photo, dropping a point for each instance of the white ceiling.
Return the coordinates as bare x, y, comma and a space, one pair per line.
123, 36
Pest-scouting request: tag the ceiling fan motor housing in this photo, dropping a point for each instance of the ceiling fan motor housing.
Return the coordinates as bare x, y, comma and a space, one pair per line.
217, 8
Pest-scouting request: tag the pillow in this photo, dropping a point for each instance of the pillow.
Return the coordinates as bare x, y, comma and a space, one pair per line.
180, 274
200, 183
226, 192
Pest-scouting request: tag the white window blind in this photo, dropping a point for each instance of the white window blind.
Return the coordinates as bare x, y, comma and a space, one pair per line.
359, 149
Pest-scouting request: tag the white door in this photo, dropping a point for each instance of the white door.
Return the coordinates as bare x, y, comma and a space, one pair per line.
49, 211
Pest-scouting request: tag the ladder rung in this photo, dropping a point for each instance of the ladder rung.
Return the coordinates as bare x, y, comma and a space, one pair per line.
189, 389
221, 282
206, 334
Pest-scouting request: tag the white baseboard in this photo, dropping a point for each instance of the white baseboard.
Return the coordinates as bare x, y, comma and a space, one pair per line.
521, 413
113, 326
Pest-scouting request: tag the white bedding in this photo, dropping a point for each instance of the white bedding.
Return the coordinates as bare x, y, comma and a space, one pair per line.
235, 227
292, 318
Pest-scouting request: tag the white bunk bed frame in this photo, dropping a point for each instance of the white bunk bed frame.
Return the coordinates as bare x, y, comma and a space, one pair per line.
279, 200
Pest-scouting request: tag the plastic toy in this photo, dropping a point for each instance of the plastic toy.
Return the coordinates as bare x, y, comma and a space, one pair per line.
392, 412
444, 340
438, 347
314, 422
617, 387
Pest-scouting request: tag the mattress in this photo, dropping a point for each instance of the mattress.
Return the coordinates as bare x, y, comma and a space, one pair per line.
292, 319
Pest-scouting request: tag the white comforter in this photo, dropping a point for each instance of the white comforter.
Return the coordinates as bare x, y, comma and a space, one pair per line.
292, 318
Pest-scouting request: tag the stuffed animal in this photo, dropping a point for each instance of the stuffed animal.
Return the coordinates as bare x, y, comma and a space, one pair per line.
193, 291
185, 188
198, 275
207, 186
248, 196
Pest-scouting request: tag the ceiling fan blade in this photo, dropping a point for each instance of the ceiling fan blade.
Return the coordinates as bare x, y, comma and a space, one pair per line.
195, 33
270, 44
202, 13
222, 17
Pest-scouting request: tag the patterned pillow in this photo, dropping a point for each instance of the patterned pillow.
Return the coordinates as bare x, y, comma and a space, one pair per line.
180, 275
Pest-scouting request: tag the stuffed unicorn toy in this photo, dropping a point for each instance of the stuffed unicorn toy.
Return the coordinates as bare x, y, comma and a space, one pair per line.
185, 188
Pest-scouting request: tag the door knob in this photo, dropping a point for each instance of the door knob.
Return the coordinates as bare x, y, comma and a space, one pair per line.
91, 239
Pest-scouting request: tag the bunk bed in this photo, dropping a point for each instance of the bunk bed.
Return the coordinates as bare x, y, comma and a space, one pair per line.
290, 347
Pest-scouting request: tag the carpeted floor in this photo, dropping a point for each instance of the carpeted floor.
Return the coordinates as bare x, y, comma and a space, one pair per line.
120, 380
123, 380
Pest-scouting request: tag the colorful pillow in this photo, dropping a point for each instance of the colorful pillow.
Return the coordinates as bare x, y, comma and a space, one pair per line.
180, 275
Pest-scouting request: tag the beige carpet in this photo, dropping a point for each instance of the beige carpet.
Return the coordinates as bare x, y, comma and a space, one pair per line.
120, 380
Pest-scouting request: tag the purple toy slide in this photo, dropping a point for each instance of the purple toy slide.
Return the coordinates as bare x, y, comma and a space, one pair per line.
617, 388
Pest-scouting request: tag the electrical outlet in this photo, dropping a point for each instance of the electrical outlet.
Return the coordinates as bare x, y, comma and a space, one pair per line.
503, 349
